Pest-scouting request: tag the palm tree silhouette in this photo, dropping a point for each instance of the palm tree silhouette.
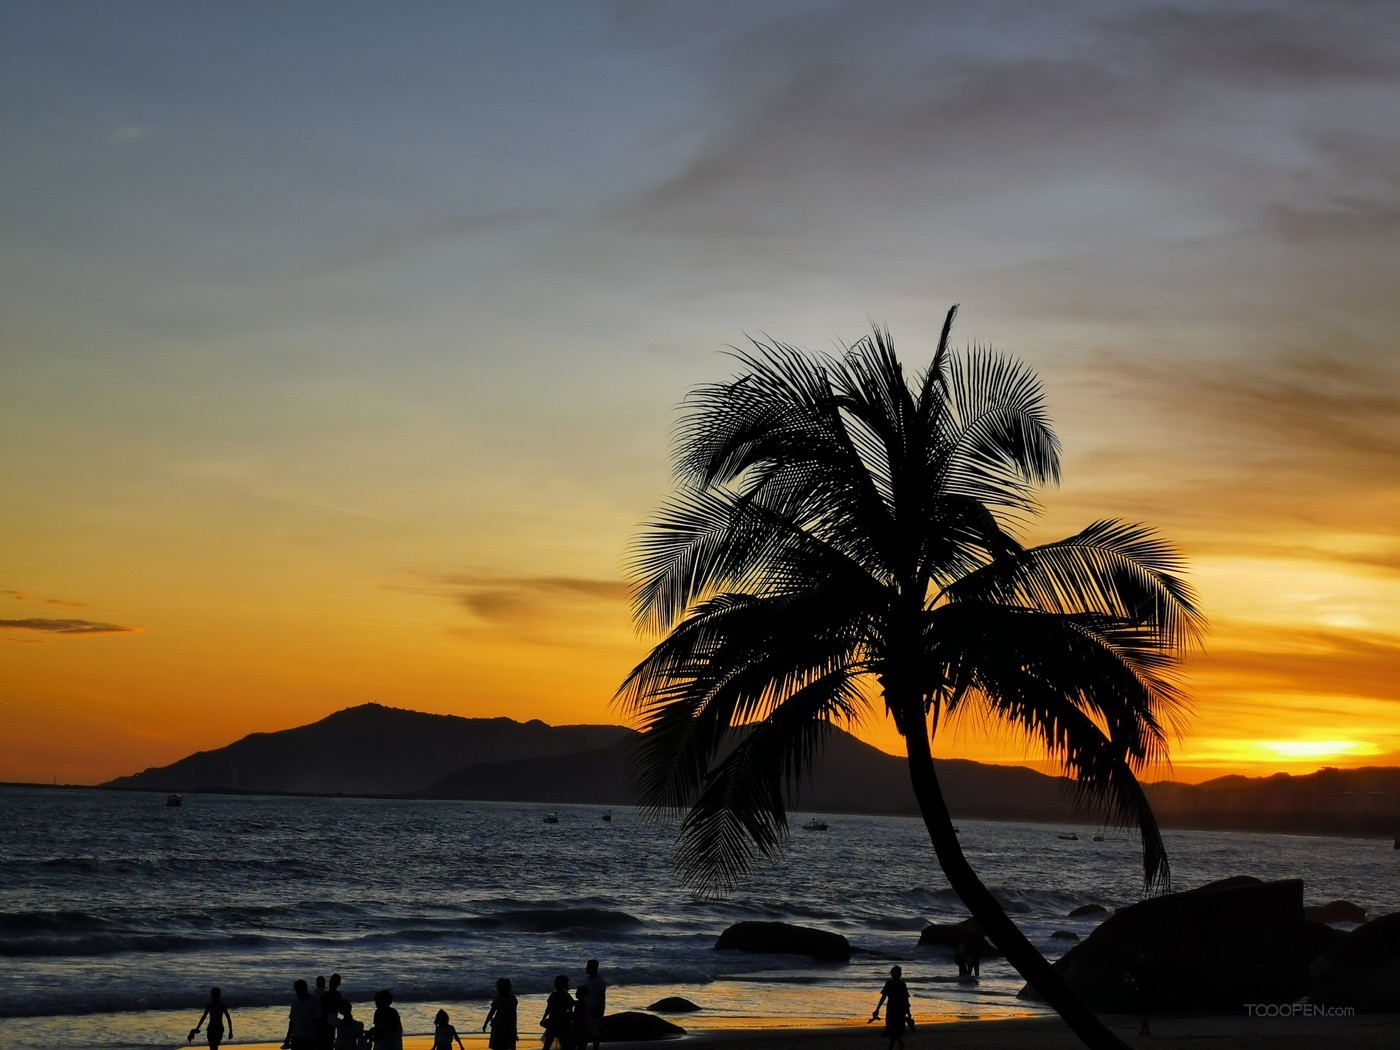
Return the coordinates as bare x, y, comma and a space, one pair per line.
841, 536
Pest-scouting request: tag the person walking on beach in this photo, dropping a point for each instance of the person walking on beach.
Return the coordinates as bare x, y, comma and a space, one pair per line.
894, 996
444, 1033
387, 1033
217, 1013
303, 1020
558, 1014
501, 1018
596, 1002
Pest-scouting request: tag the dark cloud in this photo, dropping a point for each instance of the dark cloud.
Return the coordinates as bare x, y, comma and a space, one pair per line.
68, 626
1279, 47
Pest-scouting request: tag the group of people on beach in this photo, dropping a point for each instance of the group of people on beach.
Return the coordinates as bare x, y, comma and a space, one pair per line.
323, 1019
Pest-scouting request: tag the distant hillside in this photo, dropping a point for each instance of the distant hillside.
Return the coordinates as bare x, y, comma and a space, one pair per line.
1328, 802
853, 777
367, 750
376, 750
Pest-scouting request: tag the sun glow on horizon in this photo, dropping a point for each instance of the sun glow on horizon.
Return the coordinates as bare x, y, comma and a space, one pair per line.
1305, 749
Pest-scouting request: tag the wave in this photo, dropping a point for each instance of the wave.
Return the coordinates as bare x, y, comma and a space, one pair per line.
120, 943
557, 920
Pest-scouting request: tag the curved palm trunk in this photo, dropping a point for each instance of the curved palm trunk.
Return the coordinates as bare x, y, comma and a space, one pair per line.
995, 923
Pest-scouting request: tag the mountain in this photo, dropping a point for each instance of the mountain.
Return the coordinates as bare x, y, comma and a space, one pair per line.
367, 750
852, 777
377, 750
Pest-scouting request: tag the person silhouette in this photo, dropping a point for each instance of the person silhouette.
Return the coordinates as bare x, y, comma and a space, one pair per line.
578, 1024
897, 1016
387, 1033
444, 1033
217, 1013
501, 1018
331, 1002
596, 1002
558, 1014
349, 1032
303, 1020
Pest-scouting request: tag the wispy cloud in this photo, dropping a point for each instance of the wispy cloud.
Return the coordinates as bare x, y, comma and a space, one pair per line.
79, 627
21, 596
126, 133
518, 600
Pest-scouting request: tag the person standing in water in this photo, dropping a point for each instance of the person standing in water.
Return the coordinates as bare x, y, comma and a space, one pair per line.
894, 996
217, 1013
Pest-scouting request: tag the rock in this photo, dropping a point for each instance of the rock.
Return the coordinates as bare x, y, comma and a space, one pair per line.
952, 934
1335, 911
674, 1004
782, 938
632, 1025
1210, 949
1361, 968
1087, 909
1064, 935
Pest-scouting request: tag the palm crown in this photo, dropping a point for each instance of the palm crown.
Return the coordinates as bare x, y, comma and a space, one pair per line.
842, 536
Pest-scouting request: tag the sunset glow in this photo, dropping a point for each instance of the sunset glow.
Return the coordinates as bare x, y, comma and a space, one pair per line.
339, 361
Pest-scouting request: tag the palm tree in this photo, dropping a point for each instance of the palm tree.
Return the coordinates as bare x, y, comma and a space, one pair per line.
841, 536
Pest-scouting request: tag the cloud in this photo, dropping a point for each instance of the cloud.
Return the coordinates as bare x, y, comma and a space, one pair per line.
392, 245
512, 601
124, 133
68, 626
21, 596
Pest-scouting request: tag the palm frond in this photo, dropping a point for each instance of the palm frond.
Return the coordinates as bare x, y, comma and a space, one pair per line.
742, 808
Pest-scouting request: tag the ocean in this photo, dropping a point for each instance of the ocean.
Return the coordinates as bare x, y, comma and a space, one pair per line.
118, 913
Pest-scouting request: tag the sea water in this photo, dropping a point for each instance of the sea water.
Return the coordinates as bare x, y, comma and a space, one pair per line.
118, 913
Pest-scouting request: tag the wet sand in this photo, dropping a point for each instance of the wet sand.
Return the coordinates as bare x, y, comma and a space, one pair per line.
1363, 1032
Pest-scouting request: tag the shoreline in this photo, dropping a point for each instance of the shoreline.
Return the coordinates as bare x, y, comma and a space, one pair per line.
1198, 1032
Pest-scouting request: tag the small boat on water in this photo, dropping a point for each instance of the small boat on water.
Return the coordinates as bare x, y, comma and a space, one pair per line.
607, 817
1396, 843
1068, 836
551, 818
174, 799
1098, 836
815, 825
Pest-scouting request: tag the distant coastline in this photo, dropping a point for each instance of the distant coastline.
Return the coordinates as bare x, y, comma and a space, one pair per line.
376, 752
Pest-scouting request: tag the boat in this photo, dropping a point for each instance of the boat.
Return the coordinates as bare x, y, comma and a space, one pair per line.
1068, 836
1396, 843
551, 818
174, 799
608, 816
815, 825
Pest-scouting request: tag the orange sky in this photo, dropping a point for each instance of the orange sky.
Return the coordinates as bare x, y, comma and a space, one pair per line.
331, 372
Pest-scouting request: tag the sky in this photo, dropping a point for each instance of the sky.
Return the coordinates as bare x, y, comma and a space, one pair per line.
341, 344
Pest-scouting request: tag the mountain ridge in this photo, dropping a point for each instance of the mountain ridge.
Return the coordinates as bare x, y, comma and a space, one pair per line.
373, 749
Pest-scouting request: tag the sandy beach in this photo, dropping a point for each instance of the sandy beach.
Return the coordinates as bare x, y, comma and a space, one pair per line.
1363, 1032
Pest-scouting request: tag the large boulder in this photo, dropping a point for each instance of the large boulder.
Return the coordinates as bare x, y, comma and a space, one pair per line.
1085, 910
633, 1025
783, 938
1361, 968
1214, 948
1335, 911
674, 1004
953, 935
